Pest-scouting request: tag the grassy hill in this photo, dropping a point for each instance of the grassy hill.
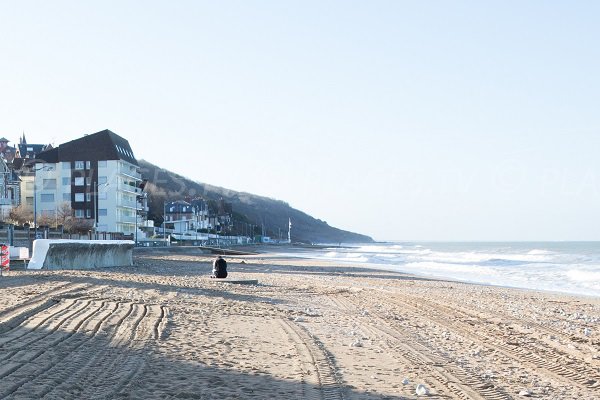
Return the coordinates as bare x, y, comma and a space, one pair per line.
248, 209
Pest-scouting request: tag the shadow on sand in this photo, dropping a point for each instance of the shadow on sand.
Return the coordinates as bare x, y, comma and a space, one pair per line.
100, 349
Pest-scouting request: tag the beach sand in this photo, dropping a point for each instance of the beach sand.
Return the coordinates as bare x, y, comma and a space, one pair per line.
308, 330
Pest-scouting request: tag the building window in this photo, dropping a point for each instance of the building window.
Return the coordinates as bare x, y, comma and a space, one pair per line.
79, 197
66, 181
79, 165
88, 165
102, 212
102, 180
79, 180
66, 165
79, 213
102, 164
29, 185
88, 197
102, 195
88, 213
29, 201
49, 184
88, 181
48, 198
66, 196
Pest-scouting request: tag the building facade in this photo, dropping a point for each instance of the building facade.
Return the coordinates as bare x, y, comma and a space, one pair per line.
10, 192
97, 176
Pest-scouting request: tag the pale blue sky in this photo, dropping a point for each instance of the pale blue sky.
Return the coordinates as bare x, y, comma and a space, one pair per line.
402, 120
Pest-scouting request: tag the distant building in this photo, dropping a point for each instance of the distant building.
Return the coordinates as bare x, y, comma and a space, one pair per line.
6, 152
97, 175
9, 189
179, 216
220, 215
193, 216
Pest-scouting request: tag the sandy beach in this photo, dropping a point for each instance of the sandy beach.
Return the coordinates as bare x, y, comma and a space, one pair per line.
307, 330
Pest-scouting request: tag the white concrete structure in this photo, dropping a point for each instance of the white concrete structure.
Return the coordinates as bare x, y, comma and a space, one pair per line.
80, 254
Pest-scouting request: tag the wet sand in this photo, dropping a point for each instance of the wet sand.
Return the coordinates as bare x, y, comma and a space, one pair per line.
308, 330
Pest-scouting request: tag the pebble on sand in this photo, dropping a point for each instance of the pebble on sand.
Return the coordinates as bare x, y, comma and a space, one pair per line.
421, 390
525, 393
405, 381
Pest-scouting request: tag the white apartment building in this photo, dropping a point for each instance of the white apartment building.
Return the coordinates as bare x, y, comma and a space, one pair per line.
97, 175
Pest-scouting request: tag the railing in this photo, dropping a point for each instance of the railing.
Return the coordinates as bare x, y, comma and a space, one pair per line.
129, 188
128, 203
133, 174
126, 219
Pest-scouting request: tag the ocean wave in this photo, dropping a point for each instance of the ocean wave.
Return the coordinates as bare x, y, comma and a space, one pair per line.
573, 269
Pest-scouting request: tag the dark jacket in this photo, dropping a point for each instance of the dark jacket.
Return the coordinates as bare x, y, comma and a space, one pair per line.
220, 268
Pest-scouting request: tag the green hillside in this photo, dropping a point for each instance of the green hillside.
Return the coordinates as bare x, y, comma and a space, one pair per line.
249, 210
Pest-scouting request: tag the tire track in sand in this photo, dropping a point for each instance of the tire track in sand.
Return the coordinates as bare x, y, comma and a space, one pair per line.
82, 349
448, 378
531, 354
319, 380
55, 350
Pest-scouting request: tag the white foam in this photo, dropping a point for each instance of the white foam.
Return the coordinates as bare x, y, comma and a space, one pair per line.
572, 270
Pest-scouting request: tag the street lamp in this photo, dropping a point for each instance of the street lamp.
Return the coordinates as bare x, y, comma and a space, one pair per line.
45, 168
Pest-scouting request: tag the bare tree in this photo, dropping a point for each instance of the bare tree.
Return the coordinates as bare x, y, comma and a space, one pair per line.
78, 225
21, 215
64, 213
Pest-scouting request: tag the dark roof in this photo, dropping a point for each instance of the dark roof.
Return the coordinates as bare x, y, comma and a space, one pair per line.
199, 204
103, 145
50, 156
178, 206
31, 150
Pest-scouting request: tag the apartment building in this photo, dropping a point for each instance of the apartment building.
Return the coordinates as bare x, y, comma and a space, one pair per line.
97, 175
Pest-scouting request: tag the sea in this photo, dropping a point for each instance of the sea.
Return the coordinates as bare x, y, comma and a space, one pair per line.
567, 267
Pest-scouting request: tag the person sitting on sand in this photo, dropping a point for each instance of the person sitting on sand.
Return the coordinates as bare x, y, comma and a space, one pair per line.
219, 268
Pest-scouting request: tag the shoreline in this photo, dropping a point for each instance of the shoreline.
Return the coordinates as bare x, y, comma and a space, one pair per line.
309, 329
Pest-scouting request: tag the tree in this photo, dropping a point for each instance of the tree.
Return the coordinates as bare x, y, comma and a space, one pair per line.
46, 220
157, 197
21, 215
78, 225
64, 213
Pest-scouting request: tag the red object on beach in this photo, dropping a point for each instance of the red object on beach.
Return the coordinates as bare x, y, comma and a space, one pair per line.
4, 258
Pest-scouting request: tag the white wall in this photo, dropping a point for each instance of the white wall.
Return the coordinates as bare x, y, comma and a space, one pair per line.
114, 196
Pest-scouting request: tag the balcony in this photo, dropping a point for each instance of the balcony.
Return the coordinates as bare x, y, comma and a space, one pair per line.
129, 204
131, 174
126, 219
129, 188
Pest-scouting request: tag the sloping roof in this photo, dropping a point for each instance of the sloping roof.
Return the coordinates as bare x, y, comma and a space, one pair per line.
103, 145
178, 206
31, 150
50, 156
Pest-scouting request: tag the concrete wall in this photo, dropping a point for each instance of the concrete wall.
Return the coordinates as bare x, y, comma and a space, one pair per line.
81, 254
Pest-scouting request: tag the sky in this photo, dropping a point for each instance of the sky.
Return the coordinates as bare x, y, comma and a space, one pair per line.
402, 120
